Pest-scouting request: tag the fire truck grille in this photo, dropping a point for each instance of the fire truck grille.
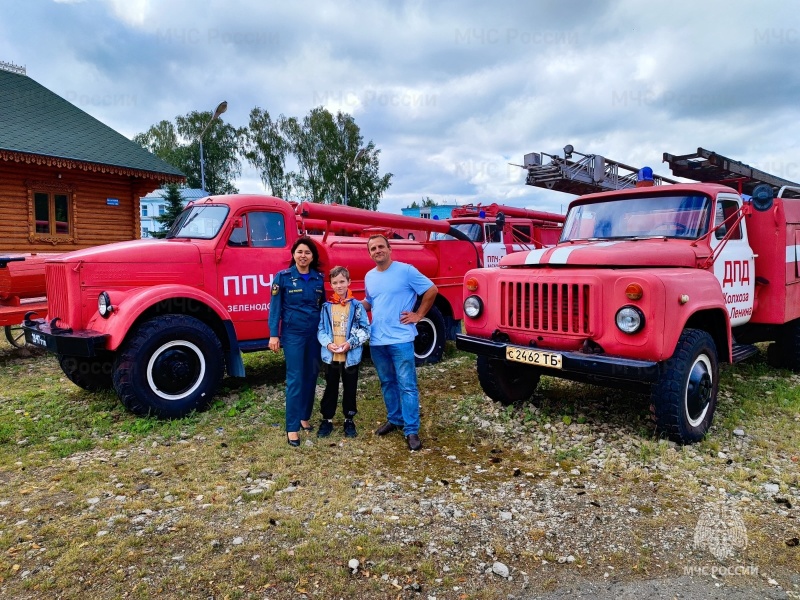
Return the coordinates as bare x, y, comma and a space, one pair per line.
546, 307
57, 302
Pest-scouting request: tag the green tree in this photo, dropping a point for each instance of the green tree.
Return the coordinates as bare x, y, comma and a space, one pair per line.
326, 149
162, 140
265, 148
178, 145
426, 201
174, 208
221, 149
311, 142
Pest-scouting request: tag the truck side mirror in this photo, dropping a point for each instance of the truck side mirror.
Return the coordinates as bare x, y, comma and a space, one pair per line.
763, 195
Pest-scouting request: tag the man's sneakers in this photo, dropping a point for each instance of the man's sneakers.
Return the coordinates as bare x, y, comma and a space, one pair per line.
325, 428
350, 428
386, 428
414, 442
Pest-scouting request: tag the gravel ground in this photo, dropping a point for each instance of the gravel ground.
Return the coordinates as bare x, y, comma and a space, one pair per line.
521, 505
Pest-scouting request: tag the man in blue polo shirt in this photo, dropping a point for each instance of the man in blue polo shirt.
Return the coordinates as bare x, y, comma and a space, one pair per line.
392, 288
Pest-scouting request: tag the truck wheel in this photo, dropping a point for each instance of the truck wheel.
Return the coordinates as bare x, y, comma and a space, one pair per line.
169, 366
15, 335
684, 398
506, 383
92, 374
429, 343
785, 352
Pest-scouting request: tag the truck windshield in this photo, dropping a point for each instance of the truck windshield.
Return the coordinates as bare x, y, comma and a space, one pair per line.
474, 231
203, 222
683, 217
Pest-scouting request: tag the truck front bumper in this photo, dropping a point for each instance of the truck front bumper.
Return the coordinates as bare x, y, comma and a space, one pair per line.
64, 341
572, 363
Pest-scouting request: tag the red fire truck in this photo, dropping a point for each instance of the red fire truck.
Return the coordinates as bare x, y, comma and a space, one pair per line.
160, 321
499, 230
648, 289
22, 289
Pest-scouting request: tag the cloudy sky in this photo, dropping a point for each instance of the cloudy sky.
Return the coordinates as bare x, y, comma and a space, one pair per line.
451, 92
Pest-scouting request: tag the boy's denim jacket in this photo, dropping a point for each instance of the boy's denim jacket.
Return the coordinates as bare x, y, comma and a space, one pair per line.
357, 332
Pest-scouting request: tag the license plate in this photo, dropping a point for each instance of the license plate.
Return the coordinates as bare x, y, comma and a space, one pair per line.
38, 339
532, 356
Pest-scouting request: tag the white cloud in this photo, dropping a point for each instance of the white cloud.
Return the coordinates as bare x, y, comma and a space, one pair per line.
451, 92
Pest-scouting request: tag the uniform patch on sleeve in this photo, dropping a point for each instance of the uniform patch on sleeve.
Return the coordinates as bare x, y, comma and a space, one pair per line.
276, 289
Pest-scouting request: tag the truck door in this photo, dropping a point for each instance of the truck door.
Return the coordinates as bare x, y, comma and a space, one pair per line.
735, 264
256, 249
493, 247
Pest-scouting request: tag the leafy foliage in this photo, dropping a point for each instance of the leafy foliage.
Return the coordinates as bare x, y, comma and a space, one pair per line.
221, 149
329, 153
266, 149
178, 144
426, 201
333, 163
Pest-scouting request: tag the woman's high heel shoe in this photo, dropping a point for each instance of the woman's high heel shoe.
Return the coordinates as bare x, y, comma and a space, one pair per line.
292, 443
308, 427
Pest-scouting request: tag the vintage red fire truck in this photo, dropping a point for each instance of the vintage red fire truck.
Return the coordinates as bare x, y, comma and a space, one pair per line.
22, 289
648, 289
160, 321
498, 230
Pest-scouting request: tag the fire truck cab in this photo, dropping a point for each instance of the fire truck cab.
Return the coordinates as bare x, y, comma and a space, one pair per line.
647, 289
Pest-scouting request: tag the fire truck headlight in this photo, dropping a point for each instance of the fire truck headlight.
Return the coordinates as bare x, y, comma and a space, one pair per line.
630, 319
473, 307
104, 305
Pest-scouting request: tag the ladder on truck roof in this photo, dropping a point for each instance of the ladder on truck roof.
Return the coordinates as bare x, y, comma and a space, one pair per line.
588, 174
709, 167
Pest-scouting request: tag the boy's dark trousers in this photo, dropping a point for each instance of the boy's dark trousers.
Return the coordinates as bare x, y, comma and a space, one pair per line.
349, 377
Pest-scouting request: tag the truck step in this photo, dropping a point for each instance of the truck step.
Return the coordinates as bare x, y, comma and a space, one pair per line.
743, 351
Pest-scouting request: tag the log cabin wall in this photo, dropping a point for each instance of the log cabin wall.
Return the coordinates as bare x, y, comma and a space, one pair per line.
93, 219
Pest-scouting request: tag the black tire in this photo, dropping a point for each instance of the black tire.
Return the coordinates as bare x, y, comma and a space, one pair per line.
168, 367
430, 340
15, 335
785, 352
92, 374
684, 399
775, 356
505, 382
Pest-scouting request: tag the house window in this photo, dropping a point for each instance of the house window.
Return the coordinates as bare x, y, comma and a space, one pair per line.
144, 210
51, 212
162, 209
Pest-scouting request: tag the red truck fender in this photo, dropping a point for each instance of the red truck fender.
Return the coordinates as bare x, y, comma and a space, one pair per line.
695, 300
133, 305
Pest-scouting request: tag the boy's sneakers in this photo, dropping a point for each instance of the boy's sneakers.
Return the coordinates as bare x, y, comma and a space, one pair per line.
325, 428
350, 428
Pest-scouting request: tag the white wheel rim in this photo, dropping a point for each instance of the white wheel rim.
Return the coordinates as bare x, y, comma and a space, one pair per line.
696, 422
161, 350
434, 338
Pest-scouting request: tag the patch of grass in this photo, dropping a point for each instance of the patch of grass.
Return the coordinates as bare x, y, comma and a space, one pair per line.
174, 496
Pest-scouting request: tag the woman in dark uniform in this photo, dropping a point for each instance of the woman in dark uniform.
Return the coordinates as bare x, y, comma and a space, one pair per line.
297, 297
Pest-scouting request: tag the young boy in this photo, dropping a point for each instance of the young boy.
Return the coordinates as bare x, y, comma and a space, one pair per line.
343, 328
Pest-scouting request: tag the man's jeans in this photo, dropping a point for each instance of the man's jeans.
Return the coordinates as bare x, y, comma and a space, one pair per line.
398, 374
